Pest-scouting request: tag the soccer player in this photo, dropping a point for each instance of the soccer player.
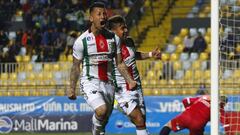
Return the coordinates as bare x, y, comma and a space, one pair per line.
95, 49
130, 101
195, 117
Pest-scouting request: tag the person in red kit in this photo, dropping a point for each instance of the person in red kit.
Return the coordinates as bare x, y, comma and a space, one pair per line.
195, 117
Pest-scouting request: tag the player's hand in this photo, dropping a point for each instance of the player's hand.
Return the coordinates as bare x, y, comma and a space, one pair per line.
72, 94
156, 53
132, 85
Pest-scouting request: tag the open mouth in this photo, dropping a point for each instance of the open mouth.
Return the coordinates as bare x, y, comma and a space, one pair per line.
102, 23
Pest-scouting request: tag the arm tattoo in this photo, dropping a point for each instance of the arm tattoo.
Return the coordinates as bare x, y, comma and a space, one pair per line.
74, 75
122, 68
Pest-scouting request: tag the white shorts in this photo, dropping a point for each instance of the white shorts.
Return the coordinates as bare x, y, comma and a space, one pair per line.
97, 93
127, 100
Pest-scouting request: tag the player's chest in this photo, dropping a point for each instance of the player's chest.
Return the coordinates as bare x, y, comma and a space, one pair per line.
127, 53
100, 45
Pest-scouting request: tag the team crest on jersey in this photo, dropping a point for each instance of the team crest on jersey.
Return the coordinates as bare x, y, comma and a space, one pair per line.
89, 38
101, 43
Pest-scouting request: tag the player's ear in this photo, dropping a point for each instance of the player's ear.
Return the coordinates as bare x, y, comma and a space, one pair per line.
90, 18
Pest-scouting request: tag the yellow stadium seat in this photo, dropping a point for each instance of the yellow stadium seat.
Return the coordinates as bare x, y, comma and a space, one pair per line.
18, 58
180, 48
144, 82
47, 67
26, 58
17, 93
196, 64
183, 32
165, 56
40, 76
4, 76
56, 67
156, 92
202, 15
158, 65
147, 92
207, 74
238, 48
163, 82
188, 74
13, 76
62, 58
207, 39
204, 56
31, 76
174, 57
29, 67
70, 58
48, 75
198, 74
153, 82
236, 75
159, 74
36, 93
177, 40
177, 65
150, 74
26, 93
60, 92
208, 32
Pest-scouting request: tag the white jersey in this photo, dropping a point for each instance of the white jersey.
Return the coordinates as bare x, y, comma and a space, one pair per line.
128, 56
96, 53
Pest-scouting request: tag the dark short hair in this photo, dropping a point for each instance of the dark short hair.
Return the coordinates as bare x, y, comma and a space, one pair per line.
96, 4
114, 20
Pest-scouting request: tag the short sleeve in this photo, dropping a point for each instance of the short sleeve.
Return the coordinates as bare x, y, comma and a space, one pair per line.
78, 49
118, 44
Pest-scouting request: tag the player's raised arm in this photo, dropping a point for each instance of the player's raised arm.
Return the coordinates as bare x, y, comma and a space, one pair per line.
145, 55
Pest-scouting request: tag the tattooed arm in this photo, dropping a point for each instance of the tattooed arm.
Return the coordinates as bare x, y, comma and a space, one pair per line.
122, 68
74, 75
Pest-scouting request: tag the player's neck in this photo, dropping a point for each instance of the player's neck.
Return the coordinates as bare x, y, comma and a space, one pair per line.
94, 30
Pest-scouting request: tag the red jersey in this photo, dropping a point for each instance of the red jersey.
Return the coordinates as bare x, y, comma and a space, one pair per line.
195, 117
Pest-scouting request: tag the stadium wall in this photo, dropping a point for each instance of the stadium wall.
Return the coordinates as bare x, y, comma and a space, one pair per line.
179, 23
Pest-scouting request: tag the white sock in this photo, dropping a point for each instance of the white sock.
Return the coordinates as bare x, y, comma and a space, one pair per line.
142, 132
97, 128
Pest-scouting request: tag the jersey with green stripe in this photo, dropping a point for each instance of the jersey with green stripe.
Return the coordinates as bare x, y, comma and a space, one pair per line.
96, 53
128, 55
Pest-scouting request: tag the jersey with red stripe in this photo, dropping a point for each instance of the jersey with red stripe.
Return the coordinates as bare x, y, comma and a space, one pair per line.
97, 53
128, 56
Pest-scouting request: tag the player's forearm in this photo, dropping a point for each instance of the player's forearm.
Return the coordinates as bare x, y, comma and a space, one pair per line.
74, 75
142, 56
122, 68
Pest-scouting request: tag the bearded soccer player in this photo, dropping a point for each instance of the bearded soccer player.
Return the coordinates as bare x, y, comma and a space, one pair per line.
95, 49
130, 101
195, 117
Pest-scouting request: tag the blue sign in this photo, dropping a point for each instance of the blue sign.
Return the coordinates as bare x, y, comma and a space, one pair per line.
59, 114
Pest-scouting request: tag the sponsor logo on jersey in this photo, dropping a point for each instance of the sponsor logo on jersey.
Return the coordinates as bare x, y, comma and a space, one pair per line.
89, 38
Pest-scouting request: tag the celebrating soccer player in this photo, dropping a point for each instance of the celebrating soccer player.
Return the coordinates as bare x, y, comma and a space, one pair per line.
130, 101
95, 49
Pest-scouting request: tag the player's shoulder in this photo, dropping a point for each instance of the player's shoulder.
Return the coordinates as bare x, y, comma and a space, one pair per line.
108, 34
129, 42
206, 97
85, 34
